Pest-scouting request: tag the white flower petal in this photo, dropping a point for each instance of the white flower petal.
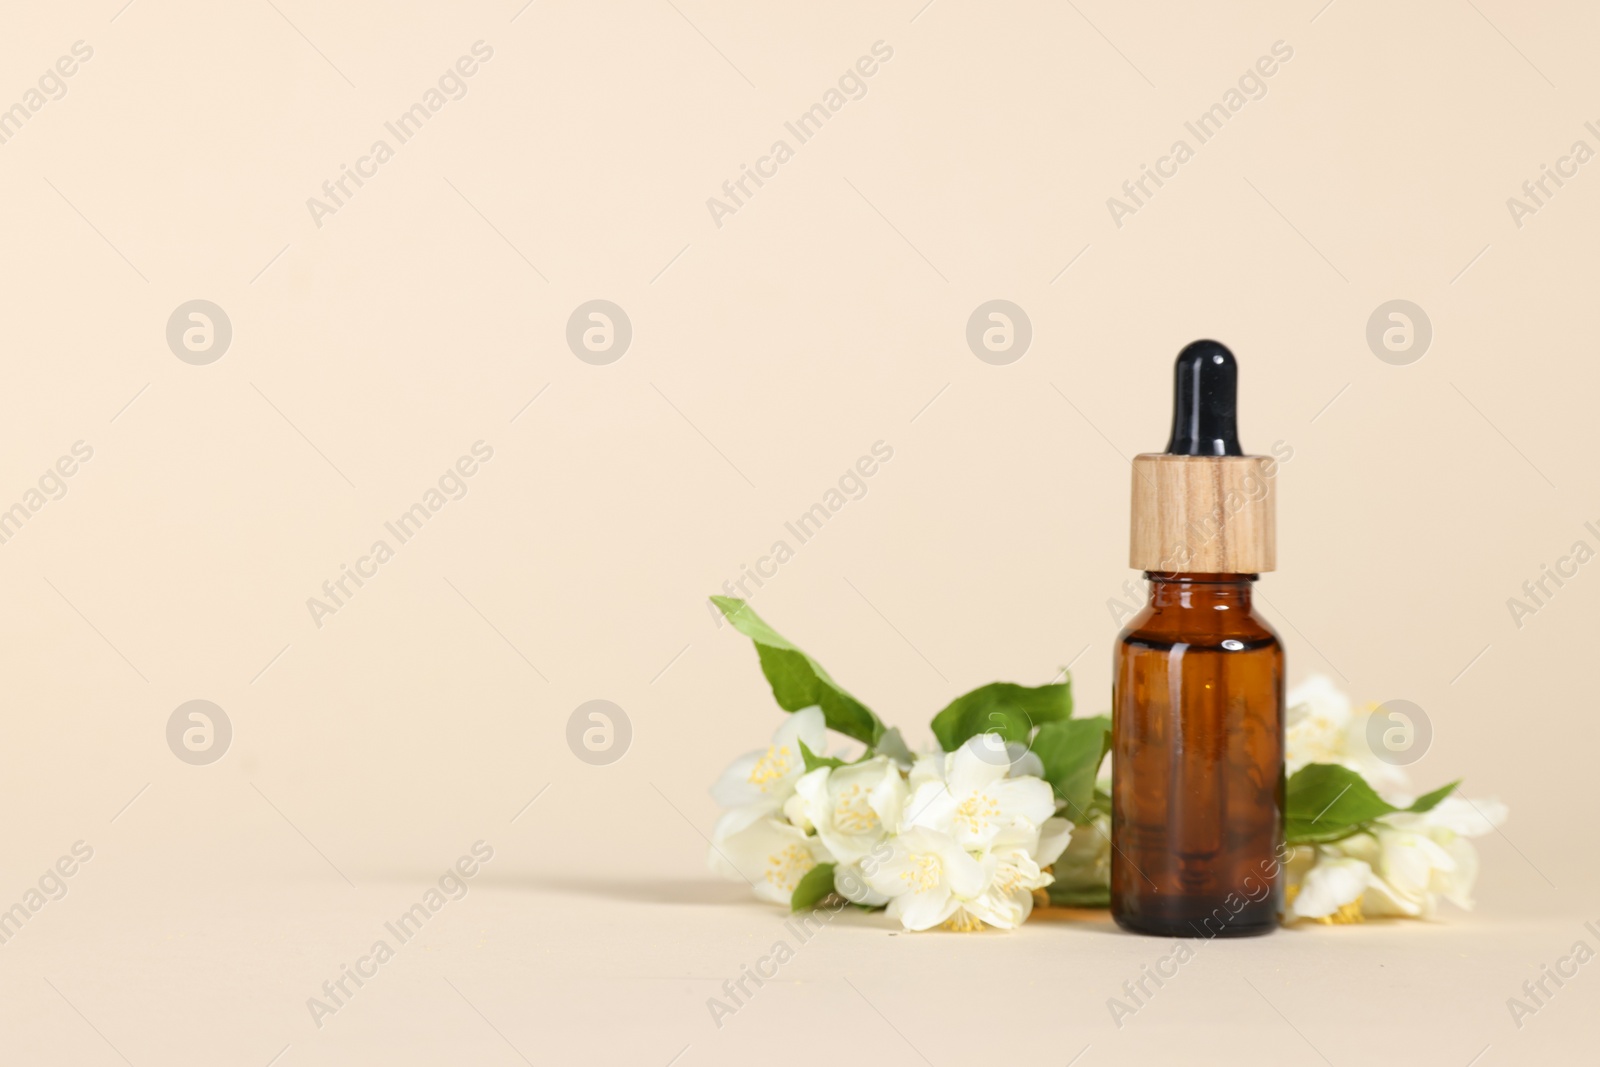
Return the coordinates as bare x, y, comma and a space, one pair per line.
927, 875
736, 819
768, 776
1026, 763
1086, 864
1315, 723
1456, 885
1329, 885
923, 911
1054, 836
966, 876
808, 725
771, 855
1408, 861
794, 809
1028, 798
1383, 902
1457, 814
931, 807
1318, 696
850, 882
981, 760
888, 798
929, 767
847, 804
733, 787
1004, 911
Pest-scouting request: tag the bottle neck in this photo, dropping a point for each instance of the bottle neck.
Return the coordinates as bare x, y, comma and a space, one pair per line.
1217, 592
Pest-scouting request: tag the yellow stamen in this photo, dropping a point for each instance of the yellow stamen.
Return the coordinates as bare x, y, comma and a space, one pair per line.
923, 872
1349, 913
786, 868
975, 812
852, 814
773, 765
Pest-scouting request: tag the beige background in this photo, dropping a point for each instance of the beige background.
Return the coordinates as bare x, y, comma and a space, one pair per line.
768, 354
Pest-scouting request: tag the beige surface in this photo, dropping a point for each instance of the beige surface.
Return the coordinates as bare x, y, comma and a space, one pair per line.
829, 312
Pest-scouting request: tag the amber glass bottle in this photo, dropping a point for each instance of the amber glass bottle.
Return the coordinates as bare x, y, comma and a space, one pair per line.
1197, 707
1197, 794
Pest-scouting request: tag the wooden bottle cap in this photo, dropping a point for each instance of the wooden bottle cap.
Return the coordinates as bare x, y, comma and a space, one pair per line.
1203, 514
1203, 506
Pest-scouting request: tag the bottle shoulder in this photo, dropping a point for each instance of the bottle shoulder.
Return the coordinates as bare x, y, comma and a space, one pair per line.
1233, 631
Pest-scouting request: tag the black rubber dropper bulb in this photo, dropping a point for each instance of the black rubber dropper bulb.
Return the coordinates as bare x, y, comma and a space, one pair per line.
1205, 402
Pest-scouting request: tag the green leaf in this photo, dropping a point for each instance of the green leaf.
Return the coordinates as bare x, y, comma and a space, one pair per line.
1003, 708
1079, 896
1326, 802
1429, 801
1071, 751
813, 761
797, 680
813, 888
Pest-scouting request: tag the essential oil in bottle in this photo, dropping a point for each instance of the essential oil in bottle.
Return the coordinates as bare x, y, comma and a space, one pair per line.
1197, 704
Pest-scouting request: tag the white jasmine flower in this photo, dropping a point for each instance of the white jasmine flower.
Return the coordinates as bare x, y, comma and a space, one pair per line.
1008, 900
852, 808
928, 767
1456, 885
850, 881
1086, 863
974, 800
1401, 869
766, 778
1321, 726
1317, 723
1425, 856
1409, 860
794, 809
1020, 856
1408, 868
1325, 884
1451, 861
1025, 763
1014, 757
1055, 834
928, 877
1454, 815
750, 845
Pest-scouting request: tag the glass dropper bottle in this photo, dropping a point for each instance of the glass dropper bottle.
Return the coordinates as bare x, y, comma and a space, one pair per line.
1197, 706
